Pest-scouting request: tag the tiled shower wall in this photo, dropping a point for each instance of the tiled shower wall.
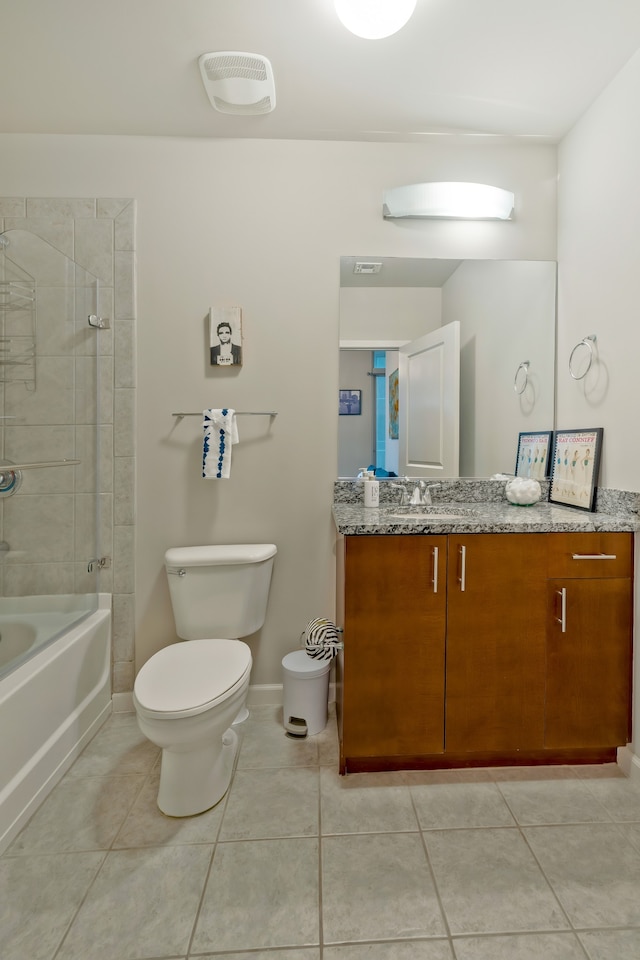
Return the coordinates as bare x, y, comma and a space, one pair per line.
99, 234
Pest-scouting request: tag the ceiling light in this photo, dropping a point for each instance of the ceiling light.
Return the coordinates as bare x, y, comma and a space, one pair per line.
374, 19
464, 201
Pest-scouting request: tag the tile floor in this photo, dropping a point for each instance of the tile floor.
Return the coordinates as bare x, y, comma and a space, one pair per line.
297, 863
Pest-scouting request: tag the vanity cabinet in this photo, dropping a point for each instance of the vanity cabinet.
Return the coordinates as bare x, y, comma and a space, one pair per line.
479, 649
588, 688
496, 618
391, 674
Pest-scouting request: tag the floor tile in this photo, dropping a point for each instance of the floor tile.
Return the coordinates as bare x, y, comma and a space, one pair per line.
489, 882
38, 898
536, 946
612, 944
444, 806
533, 773
143, 903
146, 826
598, 771
417, 778
593, 870
328, 743
287, 807
261, 893
553, 801
299, 953
396, 950
119, 748
79, 815
365, 803
620, 798
267, 745
377, 887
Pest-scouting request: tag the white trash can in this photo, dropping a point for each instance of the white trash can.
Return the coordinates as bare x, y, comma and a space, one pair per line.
306, 693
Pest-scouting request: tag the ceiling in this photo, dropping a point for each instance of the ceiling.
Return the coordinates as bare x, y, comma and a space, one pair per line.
513, 68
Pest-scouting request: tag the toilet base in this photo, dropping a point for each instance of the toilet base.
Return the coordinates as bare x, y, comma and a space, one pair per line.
194, 781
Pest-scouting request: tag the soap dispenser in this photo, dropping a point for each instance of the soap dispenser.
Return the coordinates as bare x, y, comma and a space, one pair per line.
371, 489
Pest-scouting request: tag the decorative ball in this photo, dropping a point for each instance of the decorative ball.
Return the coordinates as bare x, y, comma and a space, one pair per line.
523, 492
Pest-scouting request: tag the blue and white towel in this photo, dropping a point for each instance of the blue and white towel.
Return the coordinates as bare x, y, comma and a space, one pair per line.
220, 433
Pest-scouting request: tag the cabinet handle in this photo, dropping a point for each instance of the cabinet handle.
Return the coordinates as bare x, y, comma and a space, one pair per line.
435, 569
562, 619
595, 556
462, 579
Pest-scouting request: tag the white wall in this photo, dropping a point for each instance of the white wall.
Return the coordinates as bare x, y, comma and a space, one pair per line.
356, 434
599, 284
262, 224
388, 313
599, 277
507, 315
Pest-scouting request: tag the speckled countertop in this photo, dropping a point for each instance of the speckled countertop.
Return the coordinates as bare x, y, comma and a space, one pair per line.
477, 507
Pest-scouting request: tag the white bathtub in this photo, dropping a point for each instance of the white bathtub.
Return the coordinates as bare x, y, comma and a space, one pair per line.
50, 707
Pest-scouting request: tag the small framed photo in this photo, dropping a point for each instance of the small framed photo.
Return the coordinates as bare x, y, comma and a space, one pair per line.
534, 454
576, 464
225, 336
350, 403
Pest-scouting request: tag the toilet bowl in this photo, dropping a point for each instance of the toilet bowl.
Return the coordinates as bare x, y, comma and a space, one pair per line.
186, 698
188, 695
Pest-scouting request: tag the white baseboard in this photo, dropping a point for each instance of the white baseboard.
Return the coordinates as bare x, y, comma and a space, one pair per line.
260, 695
272, 694
629, 763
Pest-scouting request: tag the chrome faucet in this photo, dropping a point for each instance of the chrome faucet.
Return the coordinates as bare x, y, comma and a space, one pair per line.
404, 495
422, 493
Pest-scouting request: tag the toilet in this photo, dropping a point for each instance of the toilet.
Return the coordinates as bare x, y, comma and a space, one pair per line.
189, 694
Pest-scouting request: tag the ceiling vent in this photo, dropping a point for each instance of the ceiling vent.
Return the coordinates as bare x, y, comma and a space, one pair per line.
367, 267
238, 83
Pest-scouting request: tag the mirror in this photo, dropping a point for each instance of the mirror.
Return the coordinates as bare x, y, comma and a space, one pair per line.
507, 315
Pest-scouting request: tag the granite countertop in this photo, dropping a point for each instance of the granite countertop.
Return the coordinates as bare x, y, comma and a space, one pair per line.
475, 517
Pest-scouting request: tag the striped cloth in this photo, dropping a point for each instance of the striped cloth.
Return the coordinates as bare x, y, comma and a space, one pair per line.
220, 433
321, 639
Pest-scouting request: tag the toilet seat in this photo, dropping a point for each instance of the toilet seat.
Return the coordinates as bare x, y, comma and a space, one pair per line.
190, 677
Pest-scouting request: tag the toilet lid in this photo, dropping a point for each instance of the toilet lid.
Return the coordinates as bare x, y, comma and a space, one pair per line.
187, 675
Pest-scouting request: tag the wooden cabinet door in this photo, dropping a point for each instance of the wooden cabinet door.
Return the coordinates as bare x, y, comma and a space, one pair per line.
394, 635
496, 642
588, 663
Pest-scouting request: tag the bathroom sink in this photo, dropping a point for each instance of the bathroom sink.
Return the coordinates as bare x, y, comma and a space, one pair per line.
427, 513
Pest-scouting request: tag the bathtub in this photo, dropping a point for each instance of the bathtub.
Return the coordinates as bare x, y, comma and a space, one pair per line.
51, 705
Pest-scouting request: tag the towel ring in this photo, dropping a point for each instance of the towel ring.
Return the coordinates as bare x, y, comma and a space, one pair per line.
587, 342
521, 380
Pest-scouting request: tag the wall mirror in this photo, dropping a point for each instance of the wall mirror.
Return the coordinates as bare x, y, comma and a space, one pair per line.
507, 315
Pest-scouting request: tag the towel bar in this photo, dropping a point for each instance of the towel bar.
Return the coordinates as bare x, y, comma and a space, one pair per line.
239, 413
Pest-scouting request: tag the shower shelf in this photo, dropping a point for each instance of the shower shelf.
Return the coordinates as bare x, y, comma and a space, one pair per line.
17, 332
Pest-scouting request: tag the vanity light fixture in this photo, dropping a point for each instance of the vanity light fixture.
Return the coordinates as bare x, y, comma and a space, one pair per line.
462, 201
374, 19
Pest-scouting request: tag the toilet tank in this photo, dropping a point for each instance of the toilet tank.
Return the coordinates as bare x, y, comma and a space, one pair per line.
219, 591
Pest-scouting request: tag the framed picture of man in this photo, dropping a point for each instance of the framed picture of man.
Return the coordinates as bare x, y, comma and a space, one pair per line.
225, 336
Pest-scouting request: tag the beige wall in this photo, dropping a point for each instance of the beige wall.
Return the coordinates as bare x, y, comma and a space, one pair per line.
599, 284
262, 224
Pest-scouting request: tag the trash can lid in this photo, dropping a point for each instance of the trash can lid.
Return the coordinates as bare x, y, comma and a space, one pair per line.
299, 664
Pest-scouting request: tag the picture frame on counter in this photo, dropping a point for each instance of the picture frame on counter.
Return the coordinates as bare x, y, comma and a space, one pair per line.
576, 466
533, 458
